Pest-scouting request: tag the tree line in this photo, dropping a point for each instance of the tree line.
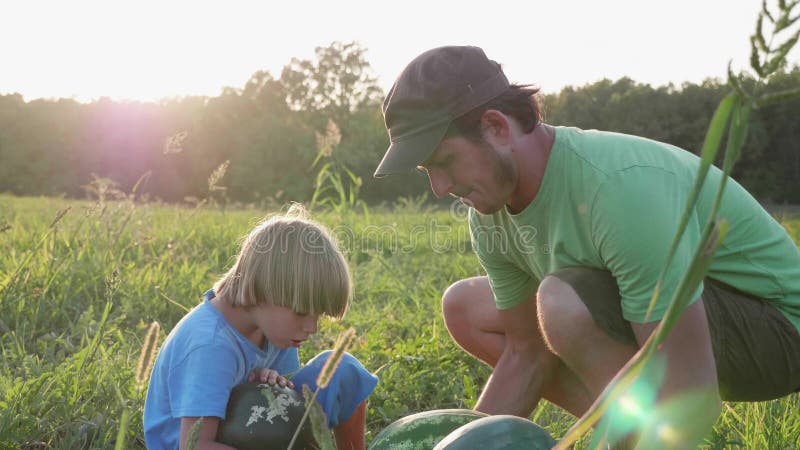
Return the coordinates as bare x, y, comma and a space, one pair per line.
258, 143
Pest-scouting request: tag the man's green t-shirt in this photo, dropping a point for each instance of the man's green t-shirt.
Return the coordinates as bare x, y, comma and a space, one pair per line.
613, 201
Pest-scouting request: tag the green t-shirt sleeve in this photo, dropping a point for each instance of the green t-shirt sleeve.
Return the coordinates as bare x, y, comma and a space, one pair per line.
510, 284
634, 218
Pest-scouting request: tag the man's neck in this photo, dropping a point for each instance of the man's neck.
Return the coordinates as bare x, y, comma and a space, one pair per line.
532, 153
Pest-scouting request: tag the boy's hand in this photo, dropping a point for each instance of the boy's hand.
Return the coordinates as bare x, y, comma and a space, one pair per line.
270, 376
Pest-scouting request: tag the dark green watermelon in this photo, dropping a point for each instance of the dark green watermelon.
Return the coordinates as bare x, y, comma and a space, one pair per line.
423, 430
263, 416
498, 433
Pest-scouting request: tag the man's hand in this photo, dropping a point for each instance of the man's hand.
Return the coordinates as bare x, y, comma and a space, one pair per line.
265, 375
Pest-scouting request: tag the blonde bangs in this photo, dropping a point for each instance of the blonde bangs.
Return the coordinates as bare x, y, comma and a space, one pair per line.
293, 262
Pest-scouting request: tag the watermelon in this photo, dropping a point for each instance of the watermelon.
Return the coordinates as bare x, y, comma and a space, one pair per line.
422, 430
500, 432
263, 416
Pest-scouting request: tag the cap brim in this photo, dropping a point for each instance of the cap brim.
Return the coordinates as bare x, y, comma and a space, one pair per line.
406, 154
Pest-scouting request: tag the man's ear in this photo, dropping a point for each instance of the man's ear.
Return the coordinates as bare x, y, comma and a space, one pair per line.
495, 127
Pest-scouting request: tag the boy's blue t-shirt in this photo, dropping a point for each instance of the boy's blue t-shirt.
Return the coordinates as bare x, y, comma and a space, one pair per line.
200, 362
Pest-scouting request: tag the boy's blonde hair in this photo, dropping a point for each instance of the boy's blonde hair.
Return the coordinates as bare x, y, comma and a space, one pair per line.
289, 260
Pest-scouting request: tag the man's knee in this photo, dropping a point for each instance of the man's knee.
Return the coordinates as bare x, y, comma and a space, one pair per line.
562, 314
558, 303
457, 299
451, 303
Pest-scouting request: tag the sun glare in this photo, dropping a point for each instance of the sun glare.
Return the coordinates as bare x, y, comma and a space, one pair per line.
630, 406
667, 433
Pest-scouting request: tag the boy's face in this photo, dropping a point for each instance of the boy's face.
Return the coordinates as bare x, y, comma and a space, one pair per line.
282, 326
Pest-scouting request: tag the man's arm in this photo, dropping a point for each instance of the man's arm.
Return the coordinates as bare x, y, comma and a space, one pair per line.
524, 367
688, 400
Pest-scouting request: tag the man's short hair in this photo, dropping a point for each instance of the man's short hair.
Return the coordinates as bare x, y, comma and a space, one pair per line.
518, 101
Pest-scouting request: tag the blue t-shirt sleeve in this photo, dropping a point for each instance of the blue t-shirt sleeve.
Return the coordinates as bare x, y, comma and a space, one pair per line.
350, 385
201, 383
287, 362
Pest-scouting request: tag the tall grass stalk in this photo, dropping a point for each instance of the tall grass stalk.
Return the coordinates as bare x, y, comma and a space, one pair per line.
193, 435
148, 354
29, 255
335, 186
346, 339
214, 186
123, 430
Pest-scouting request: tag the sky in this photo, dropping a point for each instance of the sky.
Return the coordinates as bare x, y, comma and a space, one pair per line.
148, 50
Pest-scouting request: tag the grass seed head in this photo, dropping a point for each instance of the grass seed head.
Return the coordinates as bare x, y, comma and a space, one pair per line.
147, 355
345, 341
193, 436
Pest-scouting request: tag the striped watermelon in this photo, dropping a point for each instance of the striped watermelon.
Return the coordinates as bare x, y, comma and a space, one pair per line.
423, 430
500, 432
261, 415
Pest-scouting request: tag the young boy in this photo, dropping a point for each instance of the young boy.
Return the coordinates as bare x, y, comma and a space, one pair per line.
288, 273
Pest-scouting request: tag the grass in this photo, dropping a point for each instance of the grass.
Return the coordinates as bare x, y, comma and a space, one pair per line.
78, 295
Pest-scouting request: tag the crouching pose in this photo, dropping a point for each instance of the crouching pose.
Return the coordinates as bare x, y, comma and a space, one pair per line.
249, 327
573, 228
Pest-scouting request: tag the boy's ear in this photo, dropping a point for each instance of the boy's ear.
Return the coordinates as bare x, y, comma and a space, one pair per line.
495, 127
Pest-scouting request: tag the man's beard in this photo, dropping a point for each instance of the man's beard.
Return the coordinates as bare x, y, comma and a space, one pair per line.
503, 176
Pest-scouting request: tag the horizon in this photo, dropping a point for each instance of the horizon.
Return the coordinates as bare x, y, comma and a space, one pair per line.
677, 87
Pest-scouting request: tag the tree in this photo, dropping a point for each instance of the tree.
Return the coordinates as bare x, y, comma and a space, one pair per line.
338, 83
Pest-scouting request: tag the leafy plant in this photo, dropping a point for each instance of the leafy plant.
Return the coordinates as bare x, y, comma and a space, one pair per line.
335, 186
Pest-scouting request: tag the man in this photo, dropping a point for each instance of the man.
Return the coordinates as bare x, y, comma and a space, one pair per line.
573, 229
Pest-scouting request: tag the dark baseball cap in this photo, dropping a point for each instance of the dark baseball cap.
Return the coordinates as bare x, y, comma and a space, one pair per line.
435, 88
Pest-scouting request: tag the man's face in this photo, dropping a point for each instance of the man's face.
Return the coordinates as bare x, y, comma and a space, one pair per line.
476, 173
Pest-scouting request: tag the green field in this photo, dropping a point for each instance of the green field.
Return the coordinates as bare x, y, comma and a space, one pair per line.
77, 294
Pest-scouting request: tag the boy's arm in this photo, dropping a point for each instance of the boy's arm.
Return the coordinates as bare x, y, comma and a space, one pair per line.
208, 433
349, 434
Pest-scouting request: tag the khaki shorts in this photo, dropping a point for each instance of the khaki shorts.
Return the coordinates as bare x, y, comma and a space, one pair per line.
756, 349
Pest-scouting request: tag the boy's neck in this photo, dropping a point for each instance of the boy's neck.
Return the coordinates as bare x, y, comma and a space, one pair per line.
240, 319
